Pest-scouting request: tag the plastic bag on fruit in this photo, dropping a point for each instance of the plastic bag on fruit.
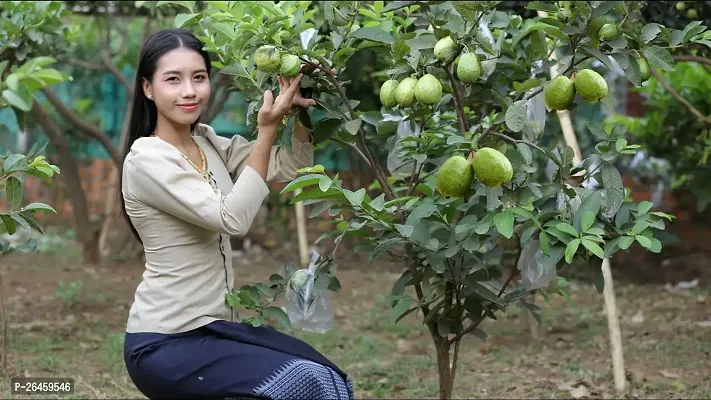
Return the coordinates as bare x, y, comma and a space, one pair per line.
535, 111
488, 66
308, 308
535, 274
396, 162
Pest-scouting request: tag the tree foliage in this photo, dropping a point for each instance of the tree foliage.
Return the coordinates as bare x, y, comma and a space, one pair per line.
669, 131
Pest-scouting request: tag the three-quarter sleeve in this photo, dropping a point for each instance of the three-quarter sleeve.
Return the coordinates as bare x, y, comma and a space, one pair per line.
159, 179
283, 163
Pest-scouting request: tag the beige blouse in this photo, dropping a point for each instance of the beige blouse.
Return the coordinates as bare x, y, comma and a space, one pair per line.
185, 223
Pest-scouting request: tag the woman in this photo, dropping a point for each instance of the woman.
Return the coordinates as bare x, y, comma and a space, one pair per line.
185, 191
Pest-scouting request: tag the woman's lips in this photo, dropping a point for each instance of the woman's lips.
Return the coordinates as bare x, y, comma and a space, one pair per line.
188, 107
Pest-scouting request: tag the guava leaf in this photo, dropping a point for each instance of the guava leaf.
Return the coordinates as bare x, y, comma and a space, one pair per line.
659, 58
13, 192
516, 116
614, 190
374, 34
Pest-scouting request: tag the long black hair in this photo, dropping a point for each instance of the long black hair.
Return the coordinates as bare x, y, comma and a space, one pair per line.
143, 115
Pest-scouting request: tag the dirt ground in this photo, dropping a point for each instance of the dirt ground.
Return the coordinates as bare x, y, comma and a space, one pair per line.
66, 320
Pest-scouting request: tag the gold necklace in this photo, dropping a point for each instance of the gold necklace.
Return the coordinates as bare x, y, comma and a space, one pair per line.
202, 171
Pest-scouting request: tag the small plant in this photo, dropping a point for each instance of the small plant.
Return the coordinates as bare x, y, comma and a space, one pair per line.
69, 291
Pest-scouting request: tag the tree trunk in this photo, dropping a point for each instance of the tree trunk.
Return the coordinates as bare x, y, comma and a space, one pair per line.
530, 320
70, 175
90, 248
444, 367
116, 240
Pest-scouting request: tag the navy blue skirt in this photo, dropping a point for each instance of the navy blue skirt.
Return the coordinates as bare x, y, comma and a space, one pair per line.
231, 360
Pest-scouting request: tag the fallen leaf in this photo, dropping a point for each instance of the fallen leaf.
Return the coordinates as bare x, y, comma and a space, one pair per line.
580, 392
637, 318
403, 346
704, 324
570, 385
668, 374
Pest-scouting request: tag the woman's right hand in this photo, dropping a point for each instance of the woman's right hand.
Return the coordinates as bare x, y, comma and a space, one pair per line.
273, 110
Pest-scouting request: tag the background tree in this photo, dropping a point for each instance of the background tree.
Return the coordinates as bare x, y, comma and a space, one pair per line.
87, 40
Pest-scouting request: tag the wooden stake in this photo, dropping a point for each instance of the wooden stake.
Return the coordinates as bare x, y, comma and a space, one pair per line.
613, 323
301, 232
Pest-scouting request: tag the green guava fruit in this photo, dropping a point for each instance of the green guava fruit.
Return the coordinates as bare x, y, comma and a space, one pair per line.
405, 92
607, 32
290, 65
428, 90
590, 85
455, 176
596, 23
691, 14
564, 14
680, 6
267, 59
299, 279
387, 93
492, 167
469, 68
560, 93
644, 69
445, 49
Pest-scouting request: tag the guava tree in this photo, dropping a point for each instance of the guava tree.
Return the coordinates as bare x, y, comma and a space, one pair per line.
468, 93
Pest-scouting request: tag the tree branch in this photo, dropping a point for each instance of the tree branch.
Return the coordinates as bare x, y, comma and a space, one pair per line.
682, 100
84, 64
458, 103
377, 168
690, 58
83, 125
354, 147
111, 67
476, 323
516, 141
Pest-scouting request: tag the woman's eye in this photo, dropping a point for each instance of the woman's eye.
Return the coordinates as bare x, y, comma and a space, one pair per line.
172, 79
200, 77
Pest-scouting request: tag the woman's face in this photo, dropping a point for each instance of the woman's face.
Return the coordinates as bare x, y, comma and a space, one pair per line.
180, 87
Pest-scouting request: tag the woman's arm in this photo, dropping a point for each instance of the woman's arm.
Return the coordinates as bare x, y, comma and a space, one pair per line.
283, 163
236, 152
260, 151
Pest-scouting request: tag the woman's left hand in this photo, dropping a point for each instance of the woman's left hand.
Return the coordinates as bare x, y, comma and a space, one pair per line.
298, 99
